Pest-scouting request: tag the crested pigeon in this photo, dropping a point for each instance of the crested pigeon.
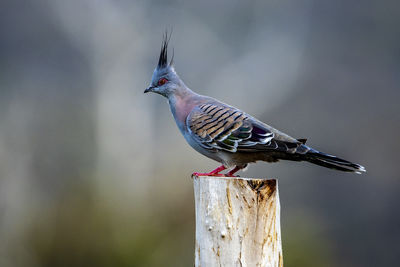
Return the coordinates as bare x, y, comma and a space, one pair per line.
227, 134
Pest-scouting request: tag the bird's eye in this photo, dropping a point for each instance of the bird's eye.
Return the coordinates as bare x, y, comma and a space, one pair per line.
162, 81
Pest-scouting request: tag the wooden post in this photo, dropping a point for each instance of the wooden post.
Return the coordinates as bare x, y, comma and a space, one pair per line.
237, 222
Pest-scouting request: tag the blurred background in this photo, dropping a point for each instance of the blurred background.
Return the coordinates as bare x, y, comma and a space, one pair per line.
95, 173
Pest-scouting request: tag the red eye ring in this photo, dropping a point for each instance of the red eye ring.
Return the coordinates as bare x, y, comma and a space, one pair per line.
162, 81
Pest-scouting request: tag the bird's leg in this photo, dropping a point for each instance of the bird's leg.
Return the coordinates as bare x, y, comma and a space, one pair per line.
211, 173
234, 170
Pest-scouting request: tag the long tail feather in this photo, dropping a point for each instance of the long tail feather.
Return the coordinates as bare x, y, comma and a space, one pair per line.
333, 162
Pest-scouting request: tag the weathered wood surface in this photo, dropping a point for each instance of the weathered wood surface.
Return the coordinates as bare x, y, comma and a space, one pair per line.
237, 222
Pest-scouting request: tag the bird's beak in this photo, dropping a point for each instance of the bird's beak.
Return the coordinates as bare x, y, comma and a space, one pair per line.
149, 89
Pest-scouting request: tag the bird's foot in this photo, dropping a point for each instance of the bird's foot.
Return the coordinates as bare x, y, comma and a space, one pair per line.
207, 174
215, 172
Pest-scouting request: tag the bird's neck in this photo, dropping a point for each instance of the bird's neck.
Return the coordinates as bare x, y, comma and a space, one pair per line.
181, 103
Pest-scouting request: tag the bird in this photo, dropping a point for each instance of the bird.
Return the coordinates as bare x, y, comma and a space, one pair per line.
227, 134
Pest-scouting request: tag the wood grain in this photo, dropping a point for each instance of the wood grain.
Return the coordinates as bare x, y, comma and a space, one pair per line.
237, 222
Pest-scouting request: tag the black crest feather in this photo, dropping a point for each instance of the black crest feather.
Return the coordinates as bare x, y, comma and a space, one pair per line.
163, 59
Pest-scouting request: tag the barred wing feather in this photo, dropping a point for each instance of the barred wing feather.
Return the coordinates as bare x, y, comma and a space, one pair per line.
221, 127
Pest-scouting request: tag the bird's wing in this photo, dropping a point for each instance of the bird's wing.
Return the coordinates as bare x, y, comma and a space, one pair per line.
216, 126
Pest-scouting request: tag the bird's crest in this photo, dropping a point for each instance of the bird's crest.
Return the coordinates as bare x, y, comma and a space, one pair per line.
163, 59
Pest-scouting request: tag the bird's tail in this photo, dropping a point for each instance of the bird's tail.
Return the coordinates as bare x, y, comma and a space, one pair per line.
332, 162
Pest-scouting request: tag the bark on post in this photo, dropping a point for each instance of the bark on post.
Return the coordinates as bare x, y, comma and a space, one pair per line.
237, 222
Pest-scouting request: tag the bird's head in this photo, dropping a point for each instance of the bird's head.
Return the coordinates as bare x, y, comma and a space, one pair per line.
164, 81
